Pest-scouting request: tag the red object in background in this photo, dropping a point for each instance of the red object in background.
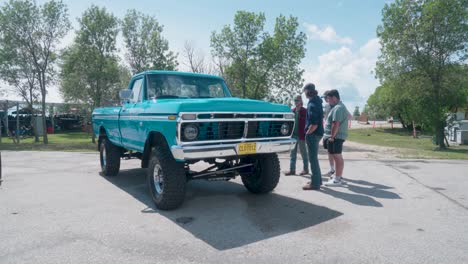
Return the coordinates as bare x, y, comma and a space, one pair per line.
373, 126
50, 130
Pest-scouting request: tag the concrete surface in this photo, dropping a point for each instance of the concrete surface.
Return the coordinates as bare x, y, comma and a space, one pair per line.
55, 208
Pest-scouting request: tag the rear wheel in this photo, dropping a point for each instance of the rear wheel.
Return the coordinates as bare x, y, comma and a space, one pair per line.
109, 155
166, 179
263, 177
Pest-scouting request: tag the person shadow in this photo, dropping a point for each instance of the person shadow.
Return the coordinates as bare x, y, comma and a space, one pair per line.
224, 214
363, 193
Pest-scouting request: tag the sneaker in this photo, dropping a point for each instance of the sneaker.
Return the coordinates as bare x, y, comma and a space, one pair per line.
304, 173
289, 173
329, 173
335, 181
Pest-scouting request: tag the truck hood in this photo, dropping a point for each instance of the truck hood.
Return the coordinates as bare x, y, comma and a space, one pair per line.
232, 104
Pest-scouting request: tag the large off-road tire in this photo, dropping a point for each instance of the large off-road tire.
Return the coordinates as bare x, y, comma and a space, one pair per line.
109, 155
265, 174
166, 179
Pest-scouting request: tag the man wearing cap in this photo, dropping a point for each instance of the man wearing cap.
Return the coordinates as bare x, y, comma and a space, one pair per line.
299, 135
314, 132
336, 132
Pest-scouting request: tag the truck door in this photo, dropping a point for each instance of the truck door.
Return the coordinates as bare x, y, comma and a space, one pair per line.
129, 117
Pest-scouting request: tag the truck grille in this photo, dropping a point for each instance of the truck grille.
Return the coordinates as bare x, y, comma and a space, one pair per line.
219, 130
266, 129
210, 129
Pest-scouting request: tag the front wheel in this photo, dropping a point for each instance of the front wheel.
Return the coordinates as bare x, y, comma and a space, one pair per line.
264, 175
166, 179
109, 155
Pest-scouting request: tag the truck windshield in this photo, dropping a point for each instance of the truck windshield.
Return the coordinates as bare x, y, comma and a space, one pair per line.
180, 86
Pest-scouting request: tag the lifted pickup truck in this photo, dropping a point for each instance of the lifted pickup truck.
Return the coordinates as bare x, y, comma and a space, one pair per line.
171, 120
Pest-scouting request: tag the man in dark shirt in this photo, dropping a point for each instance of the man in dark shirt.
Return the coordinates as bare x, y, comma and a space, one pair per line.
299, 134
314, 133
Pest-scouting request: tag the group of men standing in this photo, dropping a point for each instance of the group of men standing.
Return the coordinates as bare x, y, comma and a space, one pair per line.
310, 130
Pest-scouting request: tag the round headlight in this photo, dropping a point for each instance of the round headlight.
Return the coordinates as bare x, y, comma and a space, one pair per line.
191, 132
285, 129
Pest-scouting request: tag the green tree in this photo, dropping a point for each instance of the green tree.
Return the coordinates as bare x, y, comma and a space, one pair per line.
239, 45
260, 65
284, 52
18, 71
425, 39
146, 47
356, 112
34, 31
124, 77
90, 70
394, 98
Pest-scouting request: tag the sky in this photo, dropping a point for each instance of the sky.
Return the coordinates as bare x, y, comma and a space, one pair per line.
342, 45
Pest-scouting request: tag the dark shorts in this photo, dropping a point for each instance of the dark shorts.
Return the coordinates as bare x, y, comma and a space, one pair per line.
334, 147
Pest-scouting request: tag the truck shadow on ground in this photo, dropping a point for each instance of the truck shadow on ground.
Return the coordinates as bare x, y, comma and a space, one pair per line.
225, 215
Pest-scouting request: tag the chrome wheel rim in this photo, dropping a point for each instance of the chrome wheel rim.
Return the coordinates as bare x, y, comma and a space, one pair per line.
158, 179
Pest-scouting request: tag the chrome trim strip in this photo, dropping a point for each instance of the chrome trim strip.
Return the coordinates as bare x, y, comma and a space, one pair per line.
234, 120
241, 113
96, 117
238, 140
228, 150
144, 117
131, 117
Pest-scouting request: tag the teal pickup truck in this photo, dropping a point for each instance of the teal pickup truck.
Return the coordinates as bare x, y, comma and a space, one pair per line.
172, 120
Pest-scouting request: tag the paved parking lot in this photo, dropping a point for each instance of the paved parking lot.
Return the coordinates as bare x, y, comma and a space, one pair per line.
55, 208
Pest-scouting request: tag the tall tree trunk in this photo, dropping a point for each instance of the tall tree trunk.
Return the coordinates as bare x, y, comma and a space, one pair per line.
17, 133
33, 121
33, 124
93, 136
45, 140
440, 135
42, 83
439, 124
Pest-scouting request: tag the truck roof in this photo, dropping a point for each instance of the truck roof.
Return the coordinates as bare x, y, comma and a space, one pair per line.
176, 73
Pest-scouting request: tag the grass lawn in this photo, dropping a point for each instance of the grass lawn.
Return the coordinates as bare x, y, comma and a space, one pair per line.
75, 141
419, 148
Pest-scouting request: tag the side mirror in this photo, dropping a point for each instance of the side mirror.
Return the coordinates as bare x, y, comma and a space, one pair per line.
126, 95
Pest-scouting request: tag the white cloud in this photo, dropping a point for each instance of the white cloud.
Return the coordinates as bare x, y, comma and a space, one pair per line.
348, 71
327, 34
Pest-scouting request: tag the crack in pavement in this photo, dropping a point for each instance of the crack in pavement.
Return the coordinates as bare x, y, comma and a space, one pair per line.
436, 190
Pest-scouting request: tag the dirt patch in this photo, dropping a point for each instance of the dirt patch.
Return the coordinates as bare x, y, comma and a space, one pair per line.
357, 150
354, 150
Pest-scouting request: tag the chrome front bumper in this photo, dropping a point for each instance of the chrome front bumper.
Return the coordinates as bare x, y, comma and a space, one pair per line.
229, 149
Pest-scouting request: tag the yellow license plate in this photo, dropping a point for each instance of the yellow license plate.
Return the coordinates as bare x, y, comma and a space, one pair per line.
247, 148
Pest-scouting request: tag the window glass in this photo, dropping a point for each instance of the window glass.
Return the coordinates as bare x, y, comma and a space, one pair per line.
136, 88
180, 86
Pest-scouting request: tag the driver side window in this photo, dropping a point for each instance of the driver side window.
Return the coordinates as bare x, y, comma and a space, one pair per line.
136, 88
